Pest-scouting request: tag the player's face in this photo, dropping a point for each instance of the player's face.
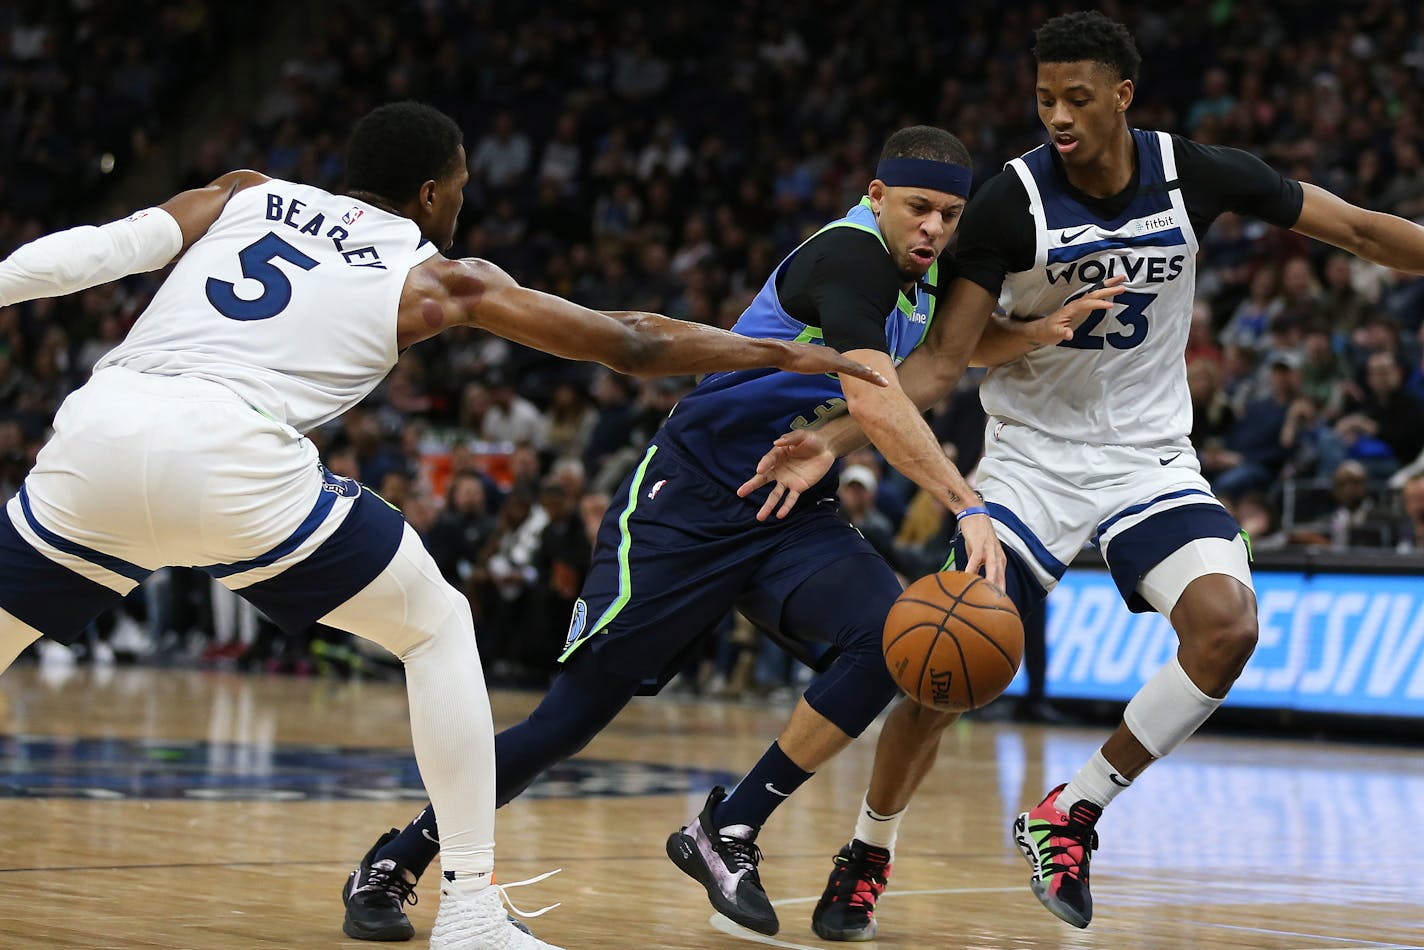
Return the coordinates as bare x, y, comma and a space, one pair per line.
1081, 105
916, 223
445, 208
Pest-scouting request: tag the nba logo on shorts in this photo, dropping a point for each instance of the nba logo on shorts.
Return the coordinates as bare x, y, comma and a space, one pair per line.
576, 623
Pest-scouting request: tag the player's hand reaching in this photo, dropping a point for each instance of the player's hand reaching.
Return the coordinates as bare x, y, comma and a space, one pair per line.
795, 462
813, 359
984, 549
1060, 324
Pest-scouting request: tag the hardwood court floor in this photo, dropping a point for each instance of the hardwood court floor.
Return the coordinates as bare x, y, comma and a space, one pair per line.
275, 786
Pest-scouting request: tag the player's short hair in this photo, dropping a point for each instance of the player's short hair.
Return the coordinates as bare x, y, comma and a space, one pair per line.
397, 147
1090, 36
926, 141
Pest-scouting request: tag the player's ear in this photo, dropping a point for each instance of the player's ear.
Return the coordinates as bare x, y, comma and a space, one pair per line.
1125, 90
876, 191
427, 195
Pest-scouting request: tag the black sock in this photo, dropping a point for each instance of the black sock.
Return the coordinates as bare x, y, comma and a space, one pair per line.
770, 782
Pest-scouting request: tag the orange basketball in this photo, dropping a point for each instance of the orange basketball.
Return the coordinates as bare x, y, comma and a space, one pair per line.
953, 641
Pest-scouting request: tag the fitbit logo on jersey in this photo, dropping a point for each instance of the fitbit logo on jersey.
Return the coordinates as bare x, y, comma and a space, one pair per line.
1140, 270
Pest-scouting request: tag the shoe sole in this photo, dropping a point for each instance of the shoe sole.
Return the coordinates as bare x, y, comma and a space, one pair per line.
1040, 889
682, 851
844, 936
356, 930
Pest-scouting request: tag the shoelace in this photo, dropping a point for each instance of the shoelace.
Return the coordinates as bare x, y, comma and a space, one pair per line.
390, 882
508, 902
740, 854
1083, 839
851, 874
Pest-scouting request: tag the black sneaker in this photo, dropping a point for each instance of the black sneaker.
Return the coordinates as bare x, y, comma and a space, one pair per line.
375, 896
847, 907
724, 861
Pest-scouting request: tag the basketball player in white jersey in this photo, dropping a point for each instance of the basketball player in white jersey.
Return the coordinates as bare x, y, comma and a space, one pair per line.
287, 305
1087, 434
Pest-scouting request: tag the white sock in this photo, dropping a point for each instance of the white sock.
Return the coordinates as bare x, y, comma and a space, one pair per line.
1097, 782
877, 829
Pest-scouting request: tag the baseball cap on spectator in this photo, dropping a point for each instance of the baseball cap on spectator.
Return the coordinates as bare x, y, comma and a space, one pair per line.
1289, 359
859, 475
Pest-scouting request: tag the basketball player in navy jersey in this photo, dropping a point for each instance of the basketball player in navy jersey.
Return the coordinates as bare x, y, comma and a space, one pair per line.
679, 548
1087, 436
287, 305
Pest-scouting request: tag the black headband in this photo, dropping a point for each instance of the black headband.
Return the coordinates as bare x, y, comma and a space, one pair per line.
925, 173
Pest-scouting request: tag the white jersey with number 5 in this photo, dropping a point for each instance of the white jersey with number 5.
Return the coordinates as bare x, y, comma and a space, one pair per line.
1121, 380
290, 300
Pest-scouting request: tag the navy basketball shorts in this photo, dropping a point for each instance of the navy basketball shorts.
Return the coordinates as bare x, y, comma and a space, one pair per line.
676, 552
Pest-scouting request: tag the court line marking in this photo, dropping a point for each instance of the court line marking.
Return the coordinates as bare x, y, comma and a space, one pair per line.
727, 926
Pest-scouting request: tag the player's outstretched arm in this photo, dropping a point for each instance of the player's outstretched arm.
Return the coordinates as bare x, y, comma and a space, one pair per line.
638, 344
1381, 238
79, 258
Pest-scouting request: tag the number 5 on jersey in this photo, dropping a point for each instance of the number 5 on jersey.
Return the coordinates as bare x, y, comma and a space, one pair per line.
256, 260
1132, 316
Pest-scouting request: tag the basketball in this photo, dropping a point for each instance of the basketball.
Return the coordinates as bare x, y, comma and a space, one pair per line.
953, 641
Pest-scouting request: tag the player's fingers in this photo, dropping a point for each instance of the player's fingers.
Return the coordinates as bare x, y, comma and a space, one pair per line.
769, 505
752, 484
790, 502
975, 562
859, 370
995, 570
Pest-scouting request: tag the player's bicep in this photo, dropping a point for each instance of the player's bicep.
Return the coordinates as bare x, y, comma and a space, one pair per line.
197, 209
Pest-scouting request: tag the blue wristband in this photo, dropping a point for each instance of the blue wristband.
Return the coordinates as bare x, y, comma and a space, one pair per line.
975, 510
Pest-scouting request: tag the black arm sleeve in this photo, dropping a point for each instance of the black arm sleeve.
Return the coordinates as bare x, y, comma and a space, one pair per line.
1217, 179
843, 282
996, 236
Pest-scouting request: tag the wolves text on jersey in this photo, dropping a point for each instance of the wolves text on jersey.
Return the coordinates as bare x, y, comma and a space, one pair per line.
1139, 270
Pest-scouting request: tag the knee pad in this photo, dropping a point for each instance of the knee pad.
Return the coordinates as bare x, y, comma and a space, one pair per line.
855, 690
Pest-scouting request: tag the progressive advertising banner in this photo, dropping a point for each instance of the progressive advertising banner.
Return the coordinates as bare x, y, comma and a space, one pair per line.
1337, 643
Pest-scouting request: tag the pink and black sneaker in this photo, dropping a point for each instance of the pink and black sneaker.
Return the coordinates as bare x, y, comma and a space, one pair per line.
847, 907
1058, 847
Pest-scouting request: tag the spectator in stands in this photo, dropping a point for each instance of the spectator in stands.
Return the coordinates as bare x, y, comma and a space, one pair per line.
502, 157
1388, 412
857, 496
1410, 529
1247, 325
510, 417
1324, 372
1212, 415
1356, 518
461, 529
1252, 454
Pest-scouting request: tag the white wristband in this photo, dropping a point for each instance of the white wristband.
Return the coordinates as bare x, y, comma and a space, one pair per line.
68, 261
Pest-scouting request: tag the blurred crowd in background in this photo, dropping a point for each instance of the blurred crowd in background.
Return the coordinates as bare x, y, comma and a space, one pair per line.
665, 157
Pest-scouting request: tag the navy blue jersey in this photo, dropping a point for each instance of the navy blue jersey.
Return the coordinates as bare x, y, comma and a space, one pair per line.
730, 420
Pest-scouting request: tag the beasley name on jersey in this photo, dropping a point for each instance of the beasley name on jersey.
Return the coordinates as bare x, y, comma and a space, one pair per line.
1120, 379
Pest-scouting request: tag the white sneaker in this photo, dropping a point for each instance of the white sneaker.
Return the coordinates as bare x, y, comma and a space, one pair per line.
129, 639
103, 654
55, 654
476, 920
